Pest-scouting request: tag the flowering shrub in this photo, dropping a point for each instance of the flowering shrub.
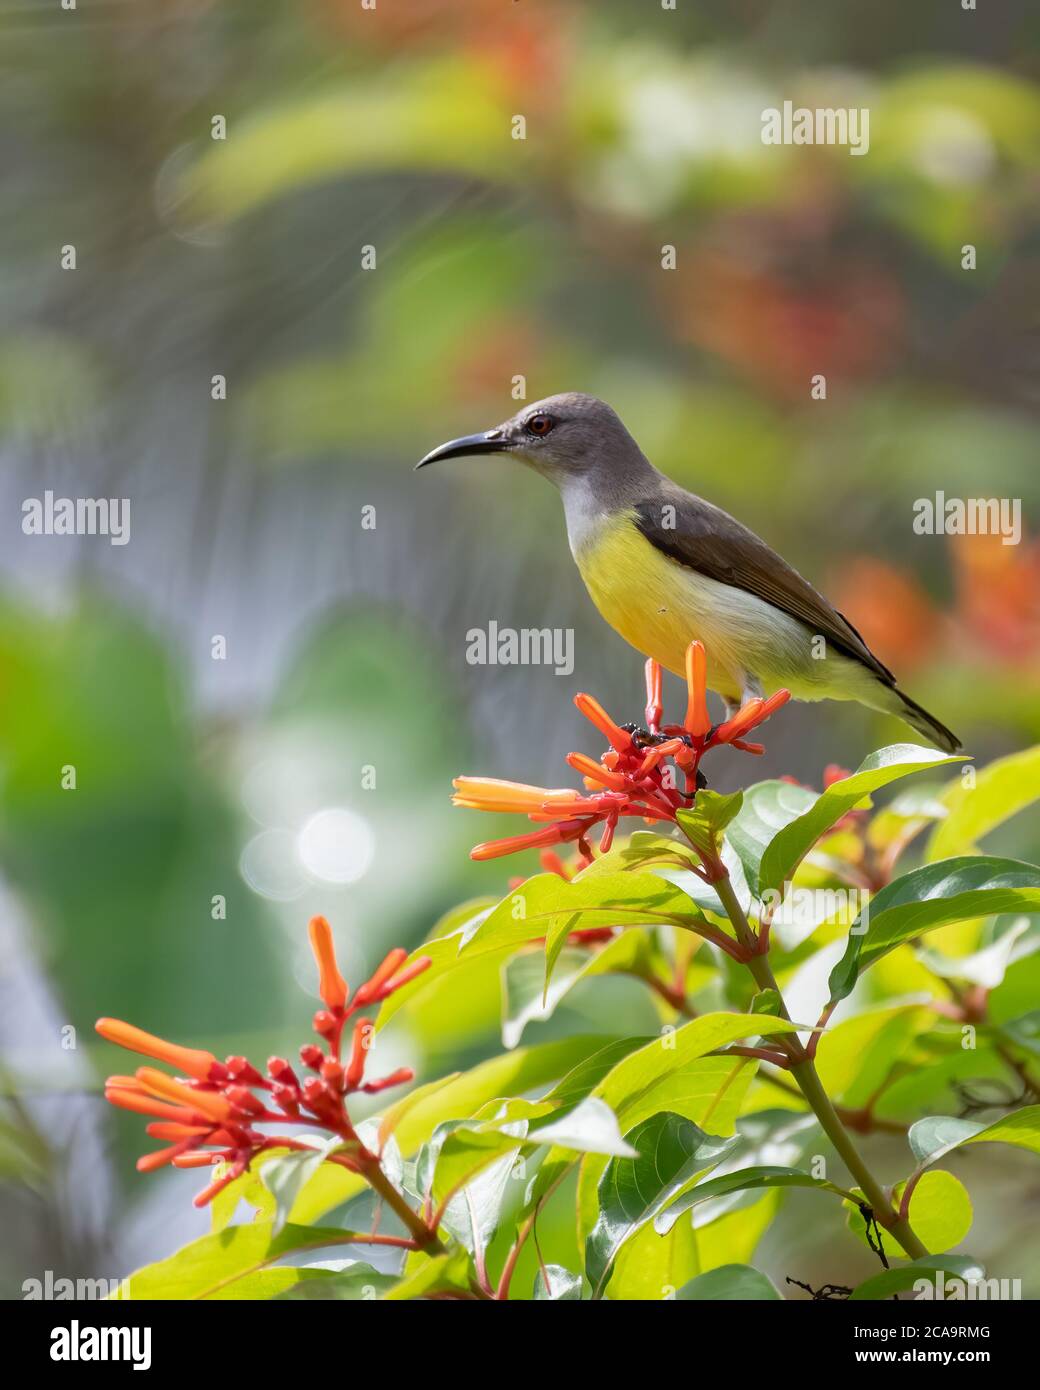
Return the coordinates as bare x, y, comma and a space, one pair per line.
675, 1149
211, 1115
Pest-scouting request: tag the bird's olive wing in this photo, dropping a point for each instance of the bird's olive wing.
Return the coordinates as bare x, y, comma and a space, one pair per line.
706, 539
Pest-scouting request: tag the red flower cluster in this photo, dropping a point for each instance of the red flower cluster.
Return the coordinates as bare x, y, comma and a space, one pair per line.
636, 776
210, 1113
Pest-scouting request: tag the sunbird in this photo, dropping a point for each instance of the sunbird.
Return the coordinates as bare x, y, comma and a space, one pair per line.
665, 567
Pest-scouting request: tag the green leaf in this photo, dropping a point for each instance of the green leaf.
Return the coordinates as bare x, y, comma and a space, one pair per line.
554, 907
740, 1283
743, 1180
1001, 790
459, 1150
653, 1267
774, 1138
926, 1085
287, 1176
664, 1055
207, 1266
940, 1210
443, 949
474, 1212
706, 1090
768, 807
733, 1237
277, 1283
933, 896
1013, 939
433, 1274
704, 822
930, 1139
591, 1127
909, 811
249, 1188
1023, 1032
672, 1072
705, 895
857, 1055
468, 1164
583, 1078
643, 848
354, 1282
934, 1137
629, 899
793, 841
766, 1001
671, 1152
893, 1281
563, 1286
525, 996
525, 1069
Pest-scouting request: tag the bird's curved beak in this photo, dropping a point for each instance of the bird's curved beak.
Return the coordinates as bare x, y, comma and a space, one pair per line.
487, 442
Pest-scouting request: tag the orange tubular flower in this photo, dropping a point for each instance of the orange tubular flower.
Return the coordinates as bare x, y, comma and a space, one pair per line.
492, 794
596, 772
143, 1104
632, 777
194, 1159
148, 1163
176, 1131
552, 835
210, 1114
654, 706
331, 985
196, 1063
618, 738
750, 716
697, 720
391, 963
192, 1098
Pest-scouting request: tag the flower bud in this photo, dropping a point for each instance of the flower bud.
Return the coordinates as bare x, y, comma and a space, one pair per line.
278, 1069
240, 1069
323, 1023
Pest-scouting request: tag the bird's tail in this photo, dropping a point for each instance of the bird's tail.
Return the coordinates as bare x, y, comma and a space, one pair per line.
918, 718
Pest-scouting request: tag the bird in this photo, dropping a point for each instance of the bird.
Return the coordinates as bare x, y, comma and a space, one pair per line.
665, 567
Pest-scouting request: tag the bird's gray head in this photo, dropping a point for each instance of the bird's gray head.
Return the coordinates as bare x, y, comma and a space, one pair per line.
563, 437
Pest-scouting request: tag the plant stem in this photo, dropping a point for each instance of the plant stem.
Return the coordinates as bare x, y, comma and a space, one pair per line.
525, 1230
812, 1089
805, 1075
425, 1238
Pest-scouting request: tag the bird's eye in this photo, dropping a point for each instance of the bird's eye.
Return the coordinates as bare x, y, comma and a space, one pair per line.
540, 425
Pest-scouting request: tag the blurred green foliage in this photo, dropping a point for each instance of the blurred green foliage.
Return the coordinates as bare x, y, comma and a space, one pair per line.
495, 257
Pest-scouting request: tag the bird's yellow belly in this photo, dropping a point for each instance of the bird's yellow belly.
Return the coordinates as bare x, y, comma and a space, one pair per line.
661, 606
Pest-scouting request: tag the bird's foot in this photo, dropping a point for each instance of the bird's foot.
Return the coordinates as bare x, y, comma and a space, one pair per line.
642, 737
